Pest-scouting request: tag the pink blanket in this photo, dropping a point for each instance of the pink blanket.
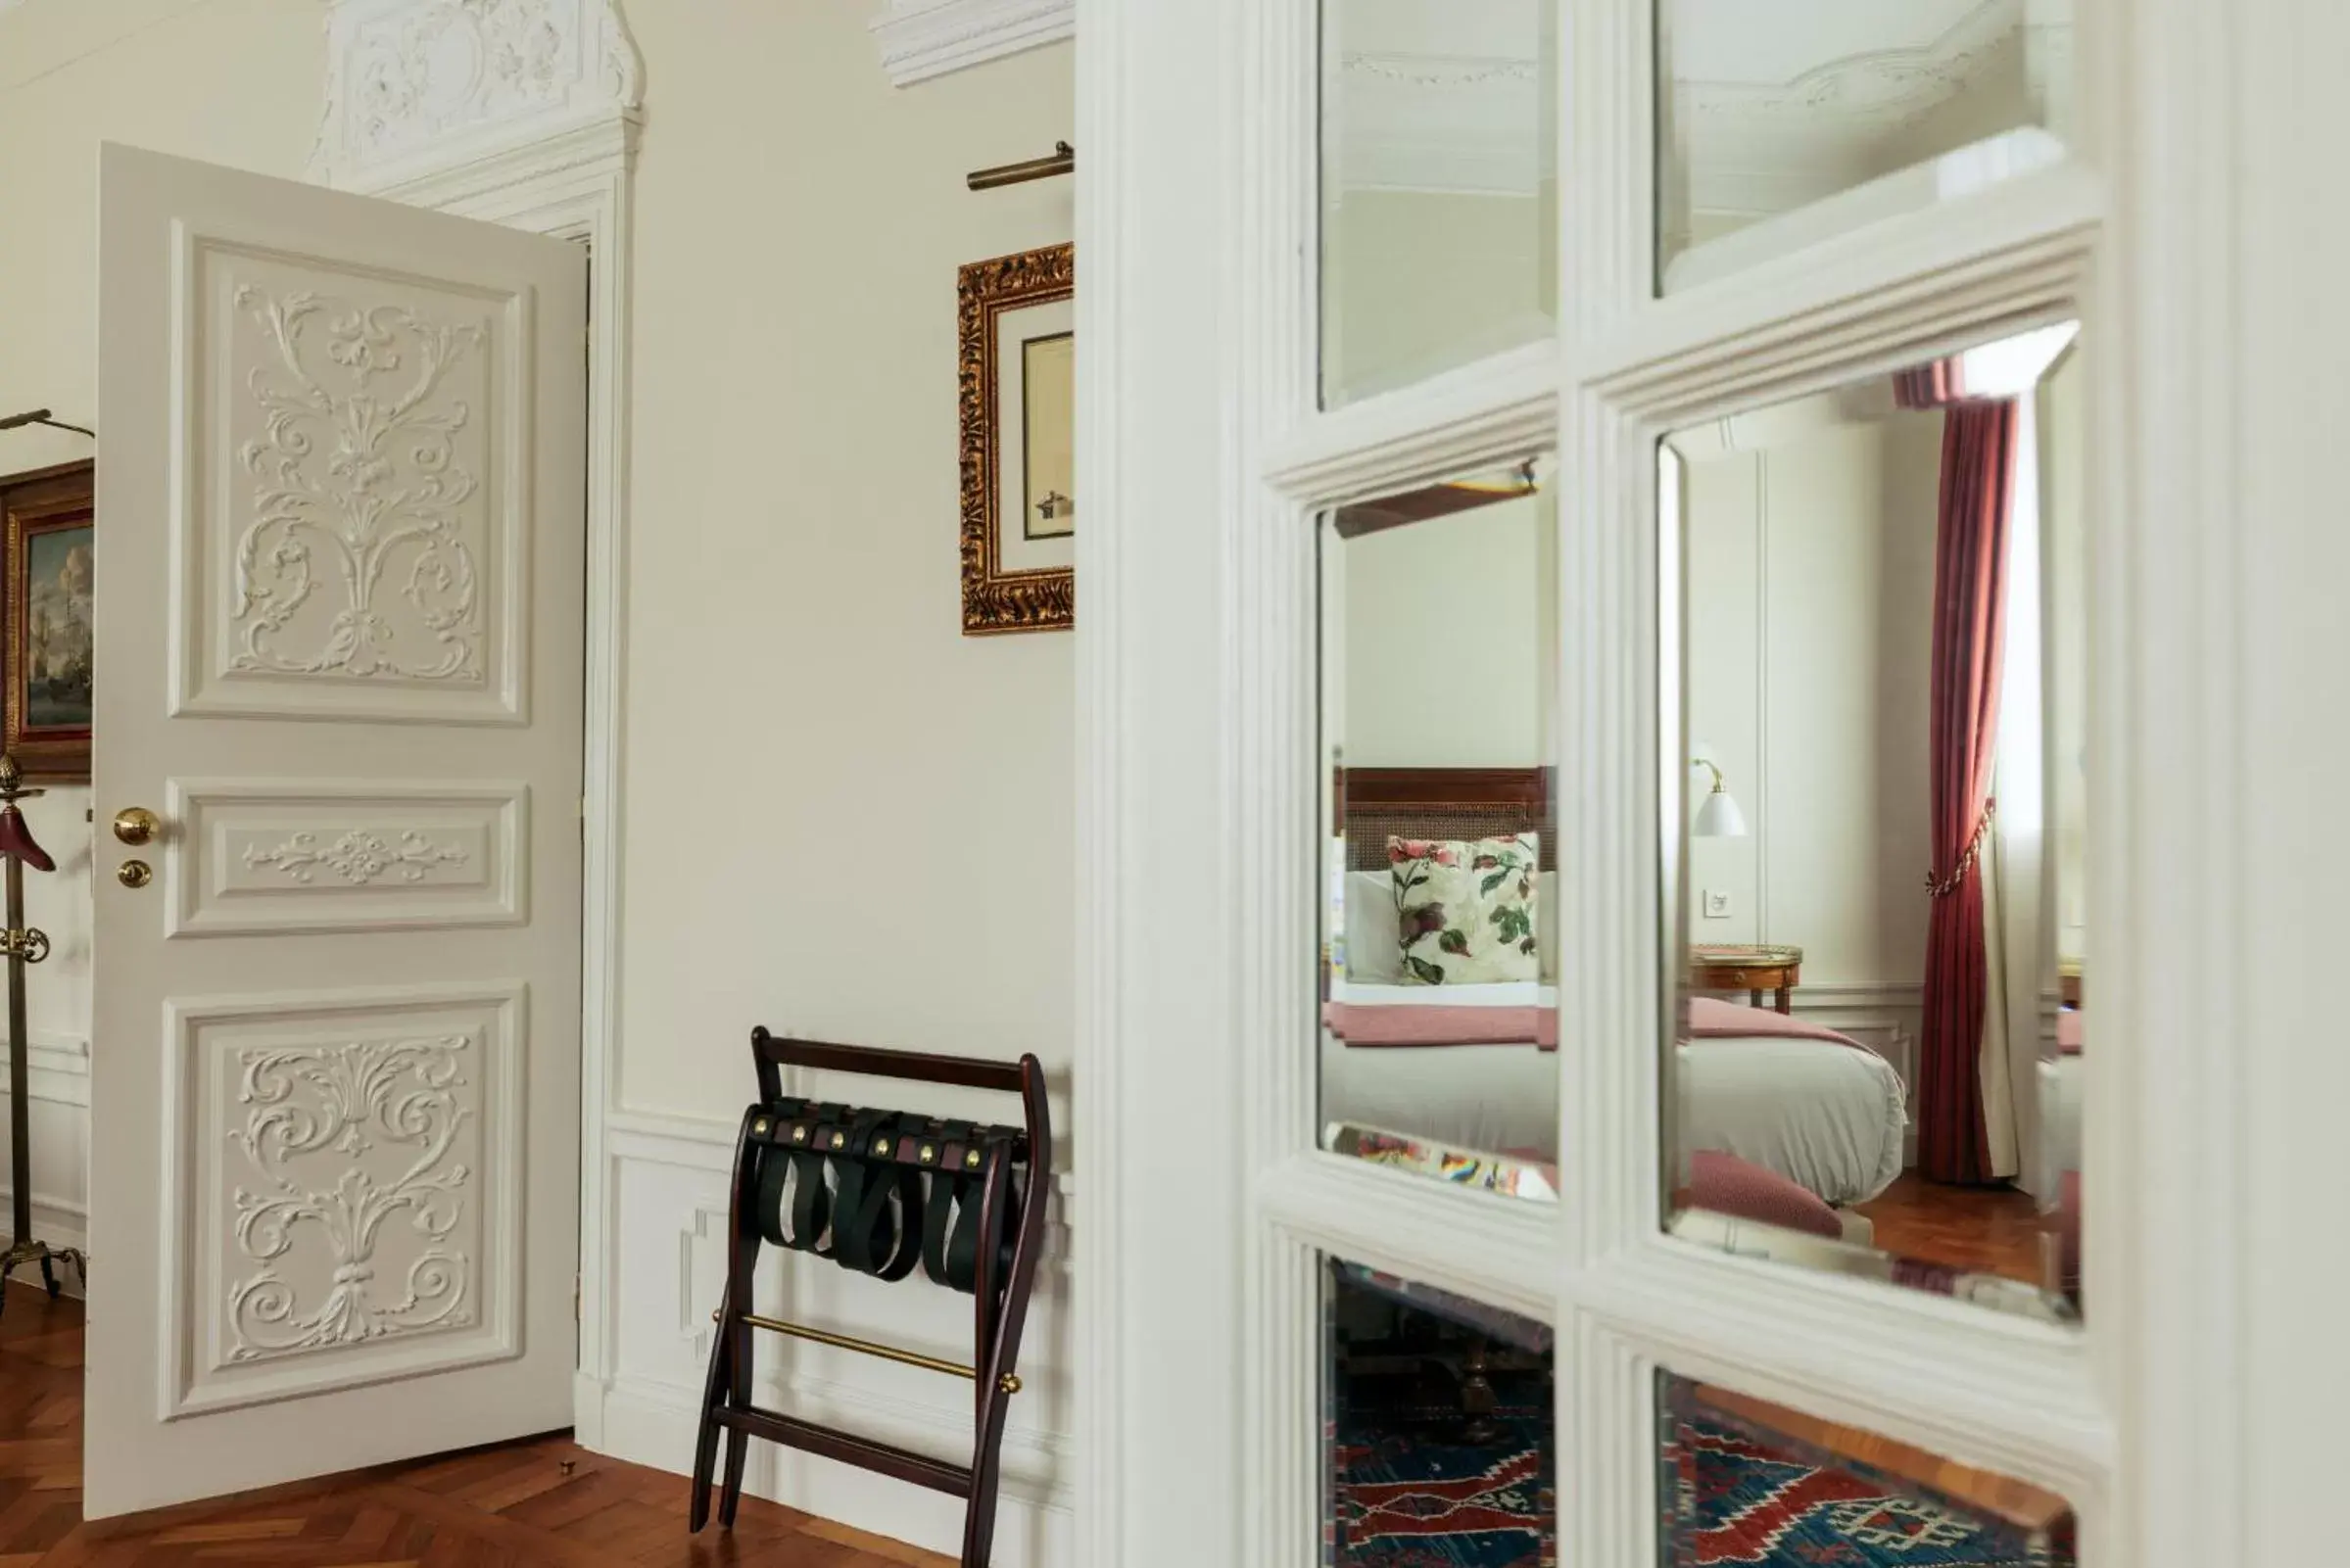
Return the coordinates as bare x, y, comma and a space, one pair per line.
2068, 1031
1434, 1023
1712, 1018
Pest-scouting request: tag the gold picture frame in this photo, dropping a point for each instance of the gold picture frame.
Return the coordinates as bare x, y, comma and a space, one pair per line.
1015, 370
45, 620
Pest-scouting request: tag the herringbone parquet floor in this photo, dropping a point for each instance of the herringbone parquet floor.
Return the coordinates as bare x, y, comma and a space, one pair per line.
541, 1500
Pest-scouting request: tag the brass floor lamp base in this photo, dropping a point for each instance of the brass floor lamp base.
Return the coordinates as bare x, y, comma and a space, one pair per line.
48, 1257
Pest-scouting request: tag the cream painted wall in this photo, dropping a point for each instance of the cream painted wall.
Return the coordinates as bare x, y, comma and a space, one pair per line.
1726, 676
1811, 571
844, 817
1443, 626
2065, 545
237, 82
1429, 280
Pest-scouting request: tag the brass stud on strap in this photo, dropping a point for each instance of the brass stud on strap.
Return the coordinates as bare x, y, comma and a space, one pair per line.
759, 1127
800, 1135
881, 1146
929, 1154
972, 1159
840, 1141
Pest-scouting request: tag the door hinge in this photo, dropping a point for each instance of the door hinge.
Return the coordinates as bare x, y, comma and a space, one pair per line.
575, 1289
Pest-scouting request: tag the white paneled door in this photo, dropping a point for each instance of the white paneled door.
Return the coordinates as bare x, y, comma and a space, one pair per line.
334, 1184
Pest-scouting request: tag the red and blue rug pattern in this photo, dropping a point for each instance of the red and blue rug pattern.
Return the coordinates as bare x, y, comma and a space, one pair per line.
1406, 1497
1733, 1500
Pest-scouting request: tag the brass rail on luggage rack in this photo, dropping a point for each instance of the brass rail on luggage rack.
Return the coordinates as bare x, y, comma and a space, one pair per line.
1009, 1382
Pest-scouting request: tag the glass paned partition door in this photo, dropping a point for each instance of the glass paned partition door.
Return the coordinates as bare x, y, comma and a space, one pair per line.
1662, 741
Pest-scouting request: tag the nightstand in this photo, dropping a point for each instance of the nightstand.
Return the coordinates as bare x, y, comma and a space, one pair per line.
1752, 969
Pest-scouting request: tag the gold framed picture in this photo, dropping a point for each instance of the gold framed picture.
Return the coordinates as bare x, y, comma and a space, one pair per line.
1017, 377
45, 643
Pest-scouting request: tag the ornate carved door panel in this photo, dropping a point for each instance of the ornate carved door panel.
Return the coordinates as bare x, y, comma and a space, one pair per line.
334, 1121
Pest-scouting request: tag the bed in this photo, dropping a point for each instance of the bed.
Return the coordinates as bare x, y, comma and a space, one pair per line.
1471, 1067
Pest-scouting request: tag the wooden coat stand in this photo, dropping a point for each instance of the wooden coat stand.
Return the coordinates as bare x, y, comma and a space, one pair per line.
1006, 1171
24, 945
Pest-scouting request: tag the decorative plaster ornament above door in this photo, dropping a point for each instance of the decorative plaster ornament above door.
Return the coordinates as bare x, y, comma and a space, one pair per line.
423, 85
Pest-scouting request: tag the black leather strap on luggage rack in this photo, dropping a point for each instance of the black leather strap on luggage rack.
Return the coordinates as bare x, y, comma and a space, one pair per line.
881, 1192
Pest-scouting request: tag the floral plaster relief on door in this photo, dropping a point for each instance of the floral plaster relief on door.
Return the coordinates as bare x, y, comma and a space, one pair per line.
362, 483
359, 1187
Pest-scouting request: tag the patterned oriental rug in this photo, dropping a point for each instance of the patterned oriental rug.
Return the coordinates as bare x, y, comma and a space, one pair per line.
1408, 1497
1738, 1501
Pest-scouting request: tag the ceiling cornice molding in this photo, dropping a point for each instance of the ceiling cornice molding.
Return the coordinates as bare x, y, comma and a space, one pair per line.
924, 38
1761, 149
1877, 87
417, 88
1461, 124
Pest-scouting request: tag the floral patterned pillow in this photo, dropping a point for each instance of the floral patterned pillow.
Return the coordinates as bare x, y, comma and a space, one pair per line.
1464, 909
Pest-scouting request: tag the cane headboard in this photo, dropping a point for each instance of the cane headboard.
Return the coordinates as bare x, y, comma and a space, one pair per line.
1371, 803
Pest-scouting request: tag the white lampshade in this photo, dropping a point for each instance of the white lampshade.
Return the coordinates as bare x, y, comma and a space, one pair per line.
1719, 816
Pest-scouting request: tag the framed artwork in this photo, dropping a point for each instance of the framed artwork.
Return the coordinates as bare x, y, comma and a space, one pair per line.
45, 643
1017, 373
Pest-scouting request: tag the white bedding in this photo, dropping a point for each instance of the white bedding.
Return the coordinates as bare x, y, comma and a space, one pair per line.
1825, 1116
2060, 1083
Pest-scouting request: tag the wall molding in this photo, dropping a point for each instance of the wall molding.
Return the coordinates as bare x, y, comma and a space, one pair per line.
57, 1068
924, 38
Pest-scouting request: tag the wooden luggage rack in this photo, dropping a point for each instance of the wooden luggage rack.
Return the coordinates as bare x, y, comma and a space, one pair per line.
963, 1200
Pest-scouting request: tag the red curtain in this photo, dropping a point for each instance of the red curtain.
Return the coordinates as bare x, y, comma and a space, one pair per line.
1970, 610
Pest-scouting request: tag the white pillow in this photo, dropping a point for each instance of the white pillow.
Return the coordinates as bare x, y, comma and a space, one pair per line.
1374, 941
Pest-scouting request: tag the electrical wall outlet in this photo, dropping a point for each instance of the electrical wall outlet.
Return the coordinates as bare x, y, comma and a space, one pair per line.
1718, 905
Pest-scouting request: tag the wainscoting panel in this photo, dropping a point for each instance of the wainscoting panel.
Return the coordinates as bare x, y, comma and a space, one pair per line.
60, 1115
669, 1181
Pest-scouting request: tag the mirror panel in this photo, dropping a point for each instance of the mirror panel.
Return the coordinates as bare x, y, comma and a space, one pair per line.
1781, 125
1872, 824
1439, 1428
1439, 192
1743, 1481
1439, 948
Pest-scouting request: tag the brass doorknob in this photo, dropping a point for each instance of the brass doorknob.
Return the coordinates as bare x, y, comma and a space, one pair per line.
136, 825
134, 873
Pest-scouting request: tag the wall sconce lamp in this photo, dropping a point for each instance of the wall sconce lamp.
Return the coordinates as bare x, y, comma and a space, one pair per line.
1719, 816
40, 416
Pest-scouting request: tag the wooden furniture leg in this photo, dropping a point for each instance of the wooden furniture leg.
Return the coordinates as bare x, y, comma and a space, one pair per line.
729, 1347
706, 1442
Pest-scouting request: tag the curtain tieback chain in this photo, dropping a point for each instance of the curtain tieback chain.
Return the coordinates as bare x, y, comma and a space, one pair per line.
1944, 887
